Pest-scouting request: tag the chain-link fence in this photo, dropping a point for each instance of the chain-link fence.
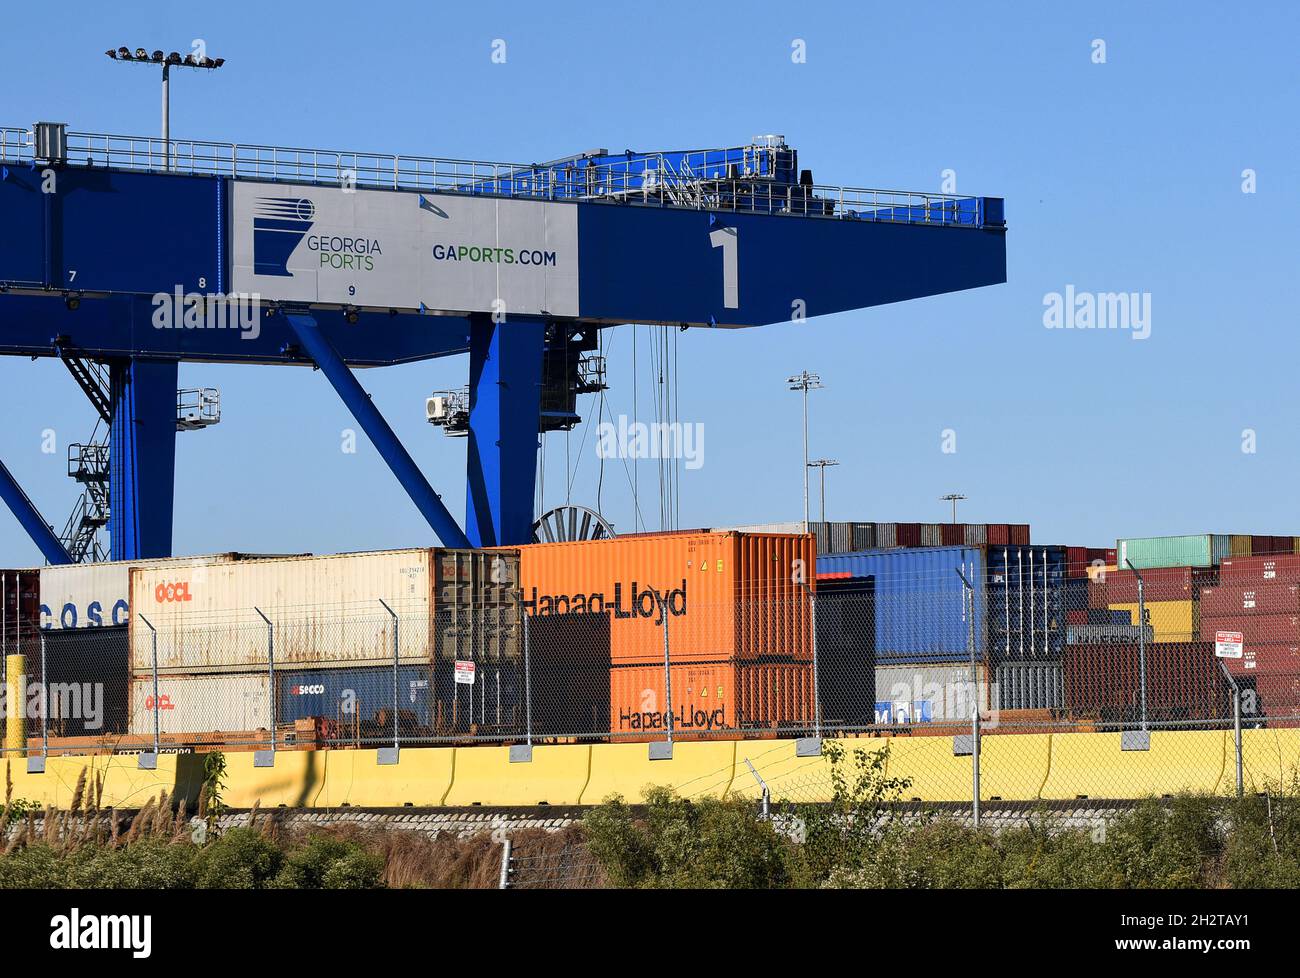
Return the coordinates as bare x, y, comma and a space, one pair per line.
953, 661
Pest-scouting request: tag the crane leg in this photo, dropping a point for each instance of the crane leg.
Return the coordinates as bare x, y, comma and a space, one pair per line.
505, 381
142, 458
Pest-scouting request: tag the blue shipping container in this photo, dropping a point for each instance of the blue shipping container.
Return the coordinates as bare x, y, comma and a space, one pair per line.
920, 608
1027, 597
348, 695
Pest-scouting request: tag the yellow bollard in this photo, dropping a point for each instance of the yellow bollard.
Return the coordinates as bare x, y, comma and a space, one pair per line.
16, 703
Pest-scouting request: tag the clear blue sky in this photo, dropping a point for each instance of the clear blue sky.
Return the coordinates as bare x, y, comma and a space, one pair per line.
1123, 176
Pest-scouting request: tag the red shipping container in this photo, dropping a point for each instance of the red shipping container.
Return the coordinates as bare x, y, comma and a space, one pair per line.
1183, 681
1276, 696
1076, 561
1257, 599
998, 533
909, 534
1019, 534
1159, 584
953, 534
1266, 660
1282, 569
1255, 629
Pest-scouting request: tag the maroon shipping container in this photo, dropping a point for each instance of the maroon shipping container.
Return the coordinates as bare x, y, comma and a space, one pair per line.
1282, 569
1019, 534
1160, 584
1076, 561
909, 534
1184, 682
953, 534
1076, 616
1255, 629
998, 533
20, 605
1277, 695
1257, 599
1266, 660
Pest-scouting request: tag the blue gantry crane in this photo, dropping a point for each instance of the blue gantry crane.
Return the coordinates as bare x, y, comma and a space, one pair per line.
124, 256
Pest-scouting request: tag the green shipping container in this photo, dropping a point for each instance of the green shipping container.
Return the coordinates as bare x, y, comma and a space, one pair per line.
1197, 550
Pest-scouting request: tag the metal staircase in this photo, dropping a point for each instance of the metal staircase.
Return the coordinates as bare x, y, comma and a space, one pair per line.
89, 461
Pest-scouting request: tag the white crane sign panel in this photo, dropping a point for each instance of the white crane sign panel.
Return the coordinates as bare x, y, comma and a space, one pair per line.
401, 250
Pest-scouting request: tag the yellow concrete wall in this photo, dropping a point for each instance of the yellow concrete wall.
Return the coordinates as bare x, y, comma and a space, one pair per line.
1014, 767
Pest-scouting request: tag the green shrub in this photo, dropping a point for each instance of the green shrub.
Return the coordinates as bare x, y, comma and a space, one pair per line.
240, 859
324, 862
146, 864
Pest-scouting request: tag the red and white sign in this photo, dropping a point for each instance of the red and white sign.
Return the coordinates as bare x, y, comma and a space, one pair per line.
1227, 645
464, 673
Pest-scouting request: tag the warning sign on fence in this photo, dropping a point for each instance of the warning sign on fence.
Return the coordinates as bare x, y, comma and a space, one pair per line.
1227, 645
464, 673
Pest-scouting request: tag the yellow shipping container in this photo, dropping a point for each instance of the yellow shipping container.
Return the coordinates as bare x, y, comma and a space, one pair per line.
1239, 545
1171, 621
1099, 573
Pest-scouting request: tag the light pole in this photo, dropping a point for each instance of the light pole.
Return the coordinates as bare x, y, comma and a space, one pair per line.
805, 382
141, 56
821, 463
952, 497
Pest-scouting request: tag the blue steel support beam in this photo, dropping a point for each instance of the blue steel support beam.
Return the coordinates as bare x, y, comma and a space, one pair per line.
377, 430
142, 458
31, 520
505, 381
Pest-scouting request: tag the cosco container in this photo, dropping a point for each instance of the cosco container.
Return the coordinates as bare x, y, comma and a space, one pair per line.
1029, 686
229, 702
925, 692
710, 698
91, 595
725, 595
920, 609
327, 611
1199, 550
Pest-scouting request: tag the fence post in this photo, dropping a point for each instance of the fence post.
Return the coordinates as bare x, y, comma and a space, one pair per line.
968, 604
386, 756
150, 761
1236, 724
504, 882
260, 758
45, 705
767, 795
528, 684
816, 680
1142, 644
662, 750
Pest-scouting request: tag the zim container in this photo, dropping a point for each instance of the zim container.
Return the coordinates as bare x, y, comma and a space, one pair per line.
709, 698
1254, 599
1260, 570
727, 595
327, 611
1254, 629
1270, 660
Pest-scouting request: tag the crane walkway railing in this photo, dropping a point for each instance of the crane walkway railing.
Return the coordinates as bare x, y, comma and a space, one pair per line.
743, 179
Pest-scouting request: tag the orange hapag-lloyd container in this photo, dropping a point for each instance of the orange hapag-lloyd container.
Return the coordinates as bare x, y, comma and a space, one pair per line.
710, 699
729, 596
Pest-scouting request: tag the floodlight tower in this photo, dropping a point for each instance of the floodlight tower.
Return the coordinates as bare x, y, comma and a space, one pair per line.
141, 56
805, 382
